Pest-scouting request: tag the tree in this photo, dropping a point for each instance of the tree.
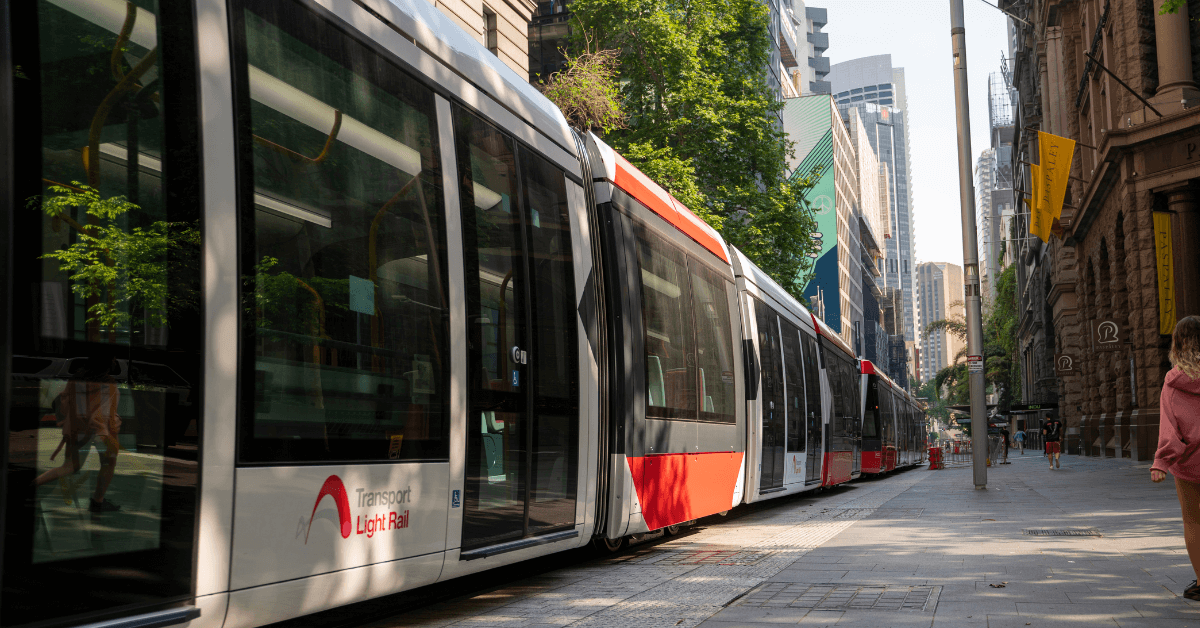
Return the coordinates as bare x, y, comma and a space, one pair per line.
702, 121
587, 91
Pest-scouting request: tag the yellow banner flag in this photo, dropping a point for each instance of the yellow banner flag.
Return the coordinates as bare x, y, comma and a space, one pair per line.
1055, 154
1039, 220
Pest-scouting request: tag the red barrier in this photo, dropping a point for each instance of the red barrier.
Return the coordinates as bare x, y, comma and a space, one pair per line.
935, 458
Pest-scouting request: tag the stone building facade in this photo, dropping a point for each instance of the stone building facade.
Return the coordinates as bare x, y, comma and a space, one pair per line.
1132, 167
500, 25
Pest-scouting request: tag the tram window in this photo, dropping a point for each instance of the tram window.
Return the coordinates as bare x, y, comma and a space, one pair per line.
812, 382
874, 409
105, 256
667, 321
344, 253
714, 347
794, 374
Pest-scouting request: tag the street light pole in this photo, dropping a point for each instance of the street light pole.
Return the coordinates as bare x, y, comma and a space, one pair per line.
966, 193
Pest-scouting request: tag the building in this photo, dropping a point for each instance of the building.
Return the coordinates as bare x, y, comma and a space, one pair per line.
1125, 251
810, 65
872, 215
994, 207
824, 148
500, 25
940, 290
875, 89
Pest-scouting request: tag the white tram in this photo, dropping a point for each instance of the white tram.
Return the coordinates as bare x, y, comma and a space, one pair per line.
313, 301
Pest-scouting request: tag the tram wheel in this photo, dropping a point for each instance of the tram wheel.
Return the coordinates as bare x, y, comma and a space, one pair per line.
610, 546
723, 513
672, 530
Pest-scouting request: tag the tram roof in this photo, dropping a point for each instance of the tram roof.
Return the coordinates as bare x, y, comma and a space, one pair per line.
609, 165
827, 332
443, 38
763, 281
868, 368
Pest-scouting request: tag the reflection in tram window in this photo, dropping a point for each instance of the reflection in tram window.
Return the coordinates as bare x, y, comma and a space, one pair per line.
714, 347
794, 374
689, 351
667, 318
346, 306
105, 263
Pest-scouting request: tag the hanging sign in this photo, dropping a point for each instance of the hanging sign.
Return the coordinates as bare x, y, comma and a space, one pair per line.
1108, 335
1064, 364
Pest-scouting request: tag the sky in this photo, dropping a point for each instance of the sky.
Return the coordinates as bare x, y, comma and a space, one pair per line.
917, 35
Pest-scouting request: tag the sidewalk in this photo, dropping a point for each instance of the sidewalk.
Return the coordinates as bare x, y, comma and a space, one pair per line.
919, 548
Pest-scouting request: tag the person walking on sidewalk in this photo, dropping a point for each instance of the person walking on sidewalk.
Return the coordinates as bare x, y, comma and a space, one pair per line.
1020, 438
1053, 432
1179, 436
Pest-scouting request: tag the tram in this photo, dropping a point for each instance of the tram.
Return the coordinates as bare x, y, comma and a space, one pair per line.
893, 427
310, 302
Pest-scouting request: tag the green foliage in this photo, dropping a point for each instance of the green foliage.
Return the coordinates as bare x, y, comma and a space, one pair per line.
937, 405
702, 120
125, 270
285, 302
1172, 6
1000, 339
587, 91
956, 326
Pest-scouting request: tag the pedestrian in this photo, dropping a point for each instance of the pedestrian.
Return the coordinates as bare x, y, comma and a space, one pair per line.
1020, 438
1179, 436
1004, 435
1053, 433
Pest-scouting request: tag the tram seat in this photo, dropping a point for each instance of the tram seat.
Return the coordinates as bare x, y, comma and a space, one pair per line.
655, 390
492, 435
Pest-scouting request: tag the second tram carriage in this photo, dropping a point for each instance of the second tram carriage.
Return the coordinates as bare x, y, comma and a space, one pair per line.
893, 425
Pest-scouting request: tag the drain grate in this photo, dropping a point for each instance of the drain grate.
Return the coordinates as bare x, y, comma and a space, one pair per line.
1064, 532
870, 597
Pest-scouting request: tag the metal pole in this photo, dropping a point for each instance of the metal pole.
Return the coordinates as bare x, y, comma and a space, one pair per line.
966, 193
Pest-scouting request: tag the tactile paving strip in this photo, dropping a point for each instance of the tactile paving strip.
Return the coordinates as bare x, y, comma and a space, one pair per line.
1064, 532
873, 597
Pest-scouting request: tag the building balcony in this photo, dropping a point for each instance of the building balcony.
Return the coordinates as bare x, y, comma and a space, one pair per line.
820, 64
819, 17
788, 46
820, 41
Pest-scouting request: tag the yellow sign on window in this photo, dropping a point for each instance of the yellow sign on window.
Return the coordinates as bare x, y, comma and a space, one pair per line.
1166, 273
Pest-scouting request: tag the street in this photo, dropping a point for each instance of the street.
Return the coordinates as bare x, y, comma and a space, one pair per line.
918, 548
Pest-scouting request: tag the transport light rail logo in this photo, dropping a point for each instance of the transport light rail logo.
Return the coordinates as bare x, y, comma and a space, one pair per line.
370, 524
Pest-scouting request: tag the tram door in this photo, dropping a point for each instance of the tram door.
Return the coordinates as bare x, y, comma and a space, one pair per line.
773, 404
523, 422
812, 389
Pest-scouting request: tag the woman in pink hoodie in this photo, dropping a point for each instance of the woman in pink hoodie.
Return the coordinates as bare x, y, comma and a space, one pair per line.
1179, 436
